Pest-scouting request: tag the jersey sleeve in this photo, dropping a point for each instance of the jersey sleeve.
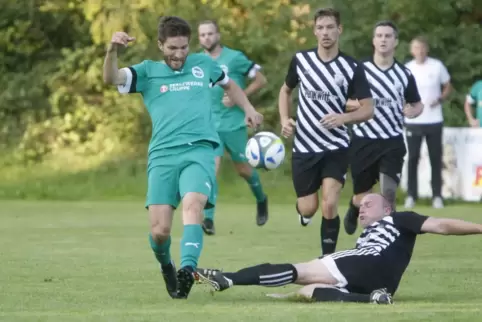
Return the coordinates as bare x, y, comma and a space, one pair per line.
409, 220
136, 79
245, 66
444, 74
359, 88
217, 76
292, 78
411, 91
471, 97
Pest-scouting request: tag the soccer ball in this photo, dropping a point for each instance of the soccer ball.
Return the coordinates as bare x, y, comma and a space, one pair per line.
265, 150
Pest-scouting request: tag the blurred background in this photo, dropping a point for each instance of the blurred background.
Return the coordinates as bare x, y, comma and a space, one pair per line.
64, 135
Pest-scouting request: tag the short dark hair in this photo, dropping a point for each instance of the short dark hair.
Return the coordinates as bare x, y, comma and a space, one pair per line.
387, 23
172, 26
210, 22
327, 12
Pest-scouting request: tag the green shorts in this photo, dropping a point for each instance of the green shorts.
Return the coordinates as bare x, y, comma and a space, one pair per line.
235, 143
179, 170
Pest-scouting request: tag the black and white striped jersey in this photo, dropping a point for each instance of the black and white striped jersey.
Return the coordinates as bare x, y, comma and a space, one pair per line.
392, 240
324, 88
391, 90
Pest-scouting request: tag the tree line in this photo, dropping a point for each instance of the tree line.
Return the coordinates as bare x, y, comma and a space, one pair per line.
52, 97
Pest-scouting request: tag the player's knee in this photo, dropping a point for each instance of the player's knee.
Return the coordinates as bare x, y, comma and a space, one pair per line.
329, 207
160, 233
192, 208
244, 170
160, 220
307, 207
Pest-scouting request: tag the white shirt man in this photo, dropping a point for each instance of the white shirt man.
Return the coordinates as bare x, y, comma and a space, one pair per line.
433, 82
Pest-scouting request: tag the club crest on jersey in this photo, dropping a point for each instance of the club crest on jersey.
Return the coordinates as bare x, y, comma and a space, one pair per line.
197, 72
225, 69
339, 79
164, 88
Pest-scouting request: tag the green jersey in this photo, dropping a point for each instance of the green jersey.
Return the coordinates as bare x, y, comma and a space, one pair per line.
237, 66
475, 98
178, 102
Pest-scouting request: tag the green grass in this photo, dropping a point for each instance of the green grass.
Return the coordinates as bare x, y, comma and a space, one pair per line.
90, 261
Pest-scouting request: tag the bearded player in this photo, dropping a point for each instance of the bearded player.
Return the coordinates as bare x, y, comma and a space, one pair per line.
176, 92
229, 117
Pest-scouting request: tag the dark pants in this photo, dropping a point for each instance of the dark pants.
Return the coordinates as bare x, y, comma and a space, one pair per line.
433, 137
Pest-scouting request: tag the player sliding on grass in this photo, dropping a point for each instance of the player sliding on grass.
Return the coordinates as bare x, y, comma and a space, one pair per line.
177, 92
370, 272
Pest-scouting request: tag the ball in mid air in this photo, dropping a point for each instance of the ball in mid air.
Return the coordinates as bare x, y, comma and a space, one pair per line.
265, 150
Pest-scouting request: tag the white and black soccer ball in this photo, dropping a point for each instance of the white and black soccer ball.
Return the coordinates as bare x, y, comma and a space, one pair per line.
265, 150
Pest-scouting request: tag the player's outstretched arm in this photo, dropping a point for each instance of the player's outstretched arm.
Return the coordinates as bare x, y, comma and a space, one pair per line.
442, 226
237, 95
112, 74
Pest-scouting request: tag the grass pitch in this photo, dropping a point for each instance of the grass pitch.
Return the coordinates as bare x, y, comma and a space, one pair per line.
91, 261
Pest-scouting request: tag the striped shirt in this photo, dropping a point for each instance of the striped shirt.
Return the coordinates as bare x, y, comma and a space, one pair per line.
324, 88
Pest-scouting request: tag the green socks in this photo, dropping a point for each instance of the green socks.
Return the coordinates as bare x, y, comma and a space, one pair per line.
256, 187
161, 251
209, 213
191, 245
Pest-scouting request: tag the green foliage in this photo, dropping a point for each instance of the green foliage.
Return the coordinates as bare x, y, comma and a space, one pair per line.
53, 104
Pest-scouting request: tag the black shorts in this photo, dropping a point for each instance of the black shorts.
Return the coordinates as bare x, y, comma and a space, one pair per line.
357, 272
309, 169
369, 158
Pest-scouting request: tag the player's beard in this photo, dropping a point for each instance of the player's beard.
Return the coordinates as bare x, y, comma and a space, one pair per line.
175, 63
213, 46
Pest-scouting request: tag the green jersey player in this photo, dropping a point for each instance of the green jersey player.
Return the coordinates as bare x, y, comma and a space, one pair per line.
176, 93
474, 99
229, 118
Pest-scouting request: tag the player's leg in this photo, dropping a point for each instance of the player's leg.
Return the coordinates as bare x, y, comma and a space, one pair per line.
270, 275
161, 201
196, 185
414, 143
236, 142
435, 153
364, 171
306, 175
391, 164
208, 222
328, 293
335, 167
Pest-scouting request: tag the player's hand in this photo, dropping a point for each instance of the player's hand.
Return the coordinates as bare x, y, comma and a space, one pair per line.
474, 123
287, 127
253, 119
352, 105
331, 121
412, 112
121, 38
227, 101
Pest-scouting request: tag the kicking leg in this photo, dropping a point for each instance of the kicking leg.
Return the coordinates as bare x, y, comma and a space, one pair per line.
196, 188
270, 275
208, 222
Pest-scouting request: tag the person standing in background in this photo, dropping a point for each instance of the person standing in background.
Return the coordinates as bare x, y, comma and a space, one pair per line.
474, 99
433, 82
